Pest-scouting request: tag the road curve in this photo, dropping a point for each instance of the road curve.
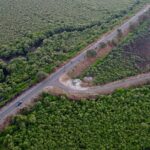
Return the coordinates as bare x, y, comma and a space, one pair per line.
79, 92
53, 80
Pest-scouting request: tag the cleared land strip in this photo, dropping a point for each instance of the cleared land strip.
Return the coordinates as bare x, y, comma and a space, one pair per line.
53, 80
78, 92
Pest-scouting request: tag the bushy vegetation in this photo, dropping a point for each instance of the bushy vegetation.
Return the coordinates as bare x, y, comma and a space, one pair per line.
91, 53
32, 41
20, 17
130, 57
41, 52
118, 121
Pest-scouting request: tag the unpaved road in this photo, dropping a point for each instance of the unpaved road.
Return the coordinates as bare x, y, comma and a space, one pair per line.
79, 92
53, 80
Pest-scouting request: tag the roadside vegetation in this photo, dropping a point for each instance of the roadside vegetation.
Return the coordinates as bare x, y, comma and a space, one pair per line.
31, 58
129, 58
117, 121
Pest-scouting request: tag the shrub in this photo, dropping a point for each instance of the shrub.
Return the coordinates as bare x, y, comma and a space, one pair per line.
91, 53
102, 45
41, 75
114, 42
119, 33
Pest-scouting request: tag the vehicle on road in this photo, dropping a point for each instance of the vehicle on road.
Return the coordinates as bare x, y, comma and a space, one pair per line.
19, 103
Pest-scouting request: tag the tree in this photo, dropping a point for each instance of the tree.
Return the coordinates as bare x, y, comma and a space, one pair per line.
41, 75
31, 119
119, 33
2, 76
102, 45
91, 53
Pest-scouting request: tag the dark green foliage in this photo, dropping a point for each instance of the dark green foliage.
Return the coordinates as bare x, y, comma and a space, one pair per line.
21, 17
91, 53
2, 76
102, 45
31, 41
41, 75
118, 121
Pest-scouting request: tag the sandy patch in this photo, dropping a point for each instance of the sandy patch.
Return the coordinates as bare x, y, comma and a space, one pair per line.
75, 84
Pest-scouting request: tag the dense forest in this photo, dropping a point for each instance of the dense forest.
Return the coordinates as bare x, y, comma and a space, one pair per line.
31, 58
131, 57
118, 121
21, 17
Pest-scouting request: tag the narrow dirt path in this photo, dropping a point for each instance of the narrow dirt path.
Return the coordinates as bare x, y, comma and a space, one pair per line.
79, 92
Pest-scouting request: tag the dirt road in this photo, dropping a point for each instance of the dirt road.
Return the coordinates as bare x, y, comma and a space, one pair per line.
79, 92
